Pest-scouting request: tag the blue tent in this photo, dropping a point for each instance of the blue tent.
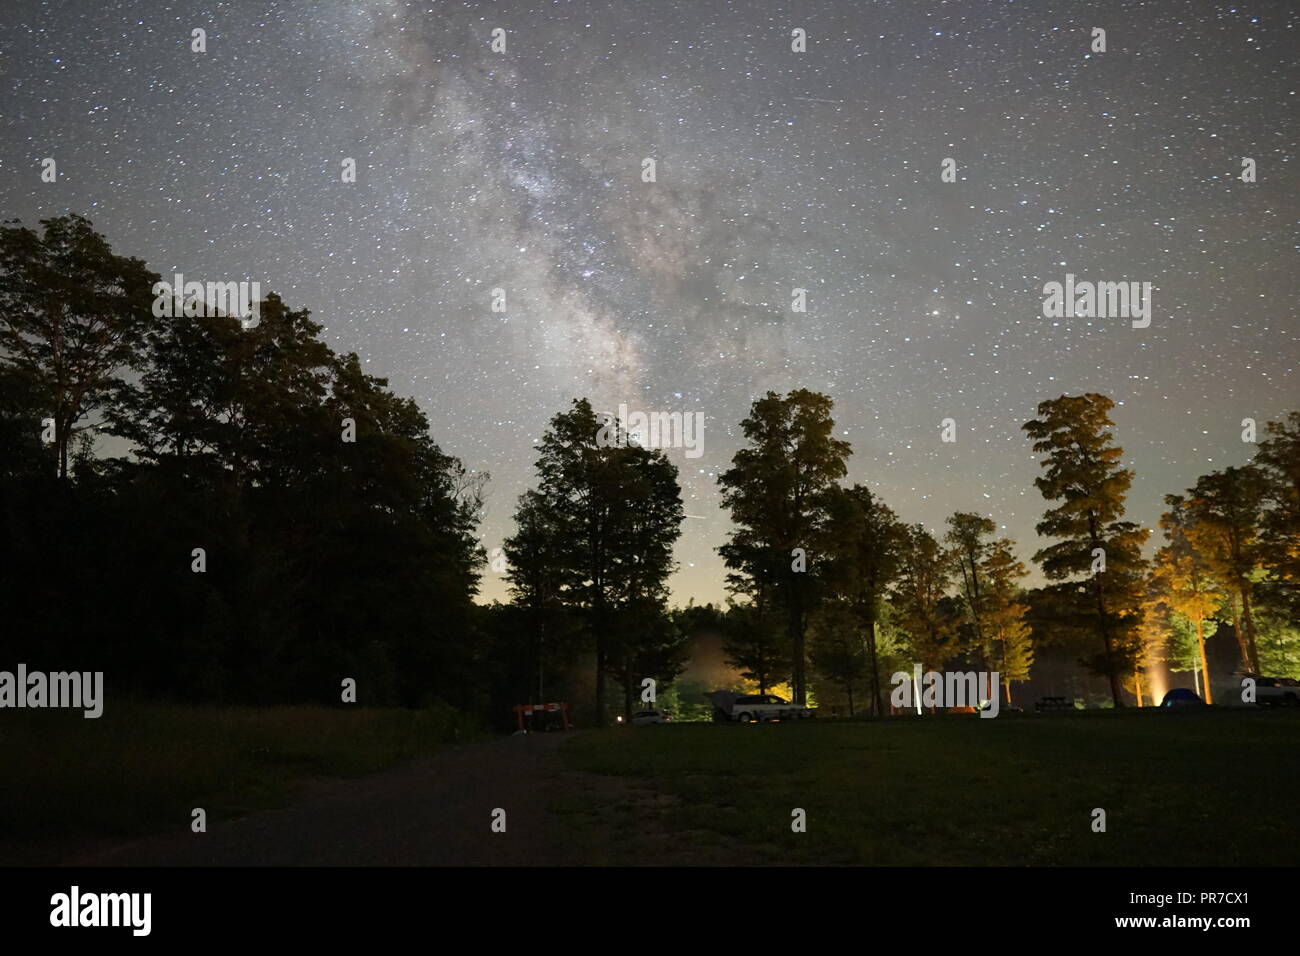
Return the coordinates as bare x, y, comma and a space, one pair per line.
1182, 697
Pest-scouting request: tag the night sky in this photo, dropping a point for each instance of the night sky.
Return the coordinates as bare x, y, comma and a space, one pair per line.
775, 170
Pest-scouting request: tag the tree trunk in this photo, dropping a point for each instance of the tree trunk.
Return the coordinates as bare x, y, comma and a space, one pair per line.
797, 651
600, 669
600, 683
1115, 690
1249, 618
1205, 664
1239, 634
627, 690
62, 437
541, 650
877, 705
1111, 670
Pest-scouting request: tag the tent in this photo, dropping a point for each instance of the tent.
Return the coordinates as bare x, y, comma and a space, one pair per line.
1182, 697
722, 701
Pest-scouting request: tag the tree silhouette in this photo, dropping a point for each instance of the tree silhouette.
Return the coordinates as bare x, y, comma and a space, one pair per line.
925, 573
1182, 578
1004, 613
1278, 462
1082, 471
865, 547
330, 550
535, 572
778, 489
613, 511
1225, 510
968, 538
72, 318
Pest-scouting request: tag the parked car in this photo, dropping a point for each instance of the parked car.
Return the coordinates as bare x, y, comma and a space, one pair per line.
764, 707
654, 716
1277, 691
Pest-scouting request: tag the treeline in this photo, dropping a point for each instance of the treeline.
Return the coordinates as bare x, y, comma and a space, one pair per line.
1231, 555
828, 575
831, 577
833, 591
277, 520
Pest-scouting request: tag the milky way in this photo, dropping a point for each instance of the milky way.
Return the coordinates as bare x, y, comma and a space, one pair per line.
522, 171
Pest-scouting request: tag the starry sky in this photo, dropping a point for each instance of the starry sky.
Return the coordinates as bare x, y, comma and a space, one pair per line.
775, 170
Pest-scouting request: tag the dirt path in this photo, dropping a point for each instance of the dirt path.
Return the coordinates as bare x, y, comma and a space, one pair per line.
434, 812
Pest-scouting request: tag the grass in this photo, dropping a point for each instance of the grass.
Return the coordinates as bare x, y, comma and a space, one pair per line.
1218, 787
143, 766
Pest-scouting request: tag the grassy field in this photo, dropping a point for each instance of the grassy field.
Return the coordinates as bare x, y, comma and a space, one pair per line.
1216, 787
1212, 788
141, 767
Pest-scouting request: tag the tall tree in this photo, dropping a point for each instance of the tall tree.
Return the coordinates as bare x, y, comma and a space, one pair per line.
968, 537
865, 549
619, 510
535, 572
924, 576
1278, 462
1225, 509
1004, 610
1082, 470
1153, 638
1182, 578
778, 489
72, 319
